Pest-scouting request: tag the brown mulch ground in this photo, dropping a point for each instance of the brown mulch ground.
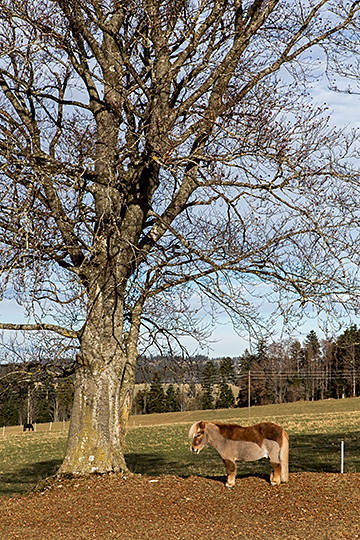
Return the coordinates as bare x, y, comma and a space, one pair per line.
311, 506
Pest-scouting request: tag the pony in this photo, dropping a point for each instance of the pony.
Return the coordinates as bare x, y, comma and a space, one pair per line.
234, 442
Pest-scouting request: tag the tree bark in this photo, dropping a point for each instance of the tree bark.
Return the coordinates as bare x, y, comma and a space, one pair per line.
104, 383
94, 443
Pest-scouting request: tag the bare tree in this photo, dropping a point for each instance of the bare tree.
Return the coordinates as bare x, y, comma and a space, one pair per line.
155, 150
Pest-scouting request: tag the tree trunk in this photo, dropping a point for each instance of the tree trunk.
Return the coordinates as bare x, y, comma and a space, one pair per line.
94, 443
104, 385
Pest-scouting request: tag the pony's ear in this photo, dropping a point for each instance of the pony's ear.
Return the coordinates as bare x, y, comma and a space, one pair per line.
201, 425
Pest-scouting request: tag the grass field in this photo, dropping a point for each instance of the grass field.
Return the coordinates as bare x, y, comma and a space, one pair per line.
158, 444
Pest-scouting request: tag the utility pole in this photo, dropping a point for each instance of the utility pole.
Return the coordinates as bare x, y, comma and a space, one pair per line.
249, 391
28, 405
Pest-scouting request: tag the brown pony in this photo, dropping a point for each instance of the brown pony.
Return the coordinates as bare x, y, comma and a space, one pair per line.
234, 442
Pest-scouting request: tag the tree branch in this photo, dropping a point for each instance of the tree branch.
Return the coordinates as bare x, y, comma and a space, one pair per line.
41, 326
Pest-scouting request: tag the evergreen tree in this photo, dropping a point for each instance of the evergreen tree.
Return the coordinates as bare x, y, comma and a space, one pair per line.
348, 361
157, 400
65, 395
312, 366
140, 402
10, 405
250, 363
172, 399
209, 378
41, 405
225, 398
227, 370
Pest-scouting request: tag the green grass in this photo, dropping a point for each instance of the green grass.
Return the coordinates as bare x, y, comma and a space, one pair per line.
28, 458
158, 444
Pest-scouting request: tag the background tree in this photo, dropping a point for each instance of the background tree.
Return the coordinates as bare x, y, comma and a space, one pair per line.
311, 367
227, 370
226, 373
11, 398
328, 368
209, 378
295, 355
277, 372
225, 397
151, 151
172, 399
140, 401
156, 400
38, 370
348, 360
63, 398
252, 363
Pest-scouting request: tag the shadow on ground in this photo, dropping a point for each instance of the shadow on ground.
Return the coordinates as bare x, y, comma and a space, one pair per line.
152, 465
321, 452
27, 477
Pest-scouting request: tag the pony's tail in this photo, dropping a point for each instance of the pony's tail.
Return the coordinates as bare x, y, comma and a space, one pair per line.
284, 458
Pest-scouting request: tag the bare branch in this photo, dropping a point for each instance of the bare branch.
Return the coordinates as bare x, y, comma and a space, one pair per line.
40, 326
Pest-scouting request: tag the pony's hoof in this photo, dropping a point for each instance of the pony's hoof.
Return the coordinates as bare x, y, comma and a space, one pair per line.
275, 483
229, 485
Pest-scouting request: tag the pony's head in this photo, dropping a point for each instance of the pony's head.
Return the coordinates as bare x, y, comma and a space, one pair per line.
199, 437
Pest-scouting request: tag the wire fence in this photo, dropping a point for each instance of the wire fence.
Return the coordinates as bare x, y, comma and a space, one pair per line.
46, 427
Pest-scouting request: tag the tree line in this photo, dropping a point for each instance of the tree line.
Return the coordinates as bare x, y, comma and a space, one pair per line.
290, 371
26, 399
277, 372
207, 388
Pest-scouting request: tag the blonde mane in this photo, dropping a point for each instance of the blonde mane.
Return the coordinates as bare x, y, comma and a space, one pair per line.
193, 429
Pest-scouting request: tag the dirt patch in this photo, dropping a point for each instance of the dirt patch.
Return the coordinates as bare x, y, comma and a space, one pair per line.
321, 506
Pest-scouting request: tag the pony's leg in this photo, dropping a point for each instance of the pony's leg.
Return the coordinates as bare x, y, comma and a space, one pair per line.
275, 476
284, 458
231, 472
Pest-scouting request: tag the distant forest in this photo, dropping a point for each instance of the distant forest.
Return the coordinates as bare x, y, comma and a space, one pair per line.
276, 372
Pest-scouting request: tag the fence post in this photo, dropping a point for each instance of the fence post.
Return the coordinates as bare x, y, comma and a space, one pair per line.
341, 457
